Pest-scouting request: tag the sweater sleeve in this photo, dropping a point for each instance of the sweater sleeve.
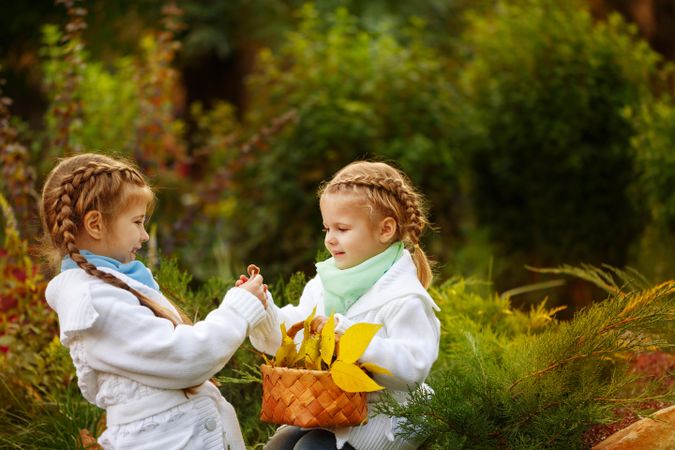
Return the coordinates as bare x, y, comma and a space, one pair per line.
129, 340
266, 337
411, 344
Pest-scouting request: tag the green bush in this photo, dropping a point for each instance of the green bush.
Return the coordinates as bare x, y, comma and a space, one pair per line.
529, 381
653, 145
108, 97
547, 91
354, 94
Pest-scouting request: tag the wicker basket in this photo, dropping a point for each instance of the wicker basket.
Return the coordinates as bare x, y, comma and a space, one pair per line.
309, 398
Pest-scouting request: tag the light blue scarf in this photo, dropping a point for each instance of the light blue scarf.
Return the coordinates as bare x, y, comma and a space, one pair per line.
133, 269
343, 287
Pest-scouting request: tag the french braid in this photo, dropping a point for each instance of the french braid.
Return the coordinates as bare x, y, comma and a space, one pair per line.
390, 194
84, 183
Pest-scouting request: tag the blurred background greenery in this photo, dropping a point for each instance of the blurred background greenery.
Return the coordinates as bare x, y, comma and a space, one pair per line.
541, 133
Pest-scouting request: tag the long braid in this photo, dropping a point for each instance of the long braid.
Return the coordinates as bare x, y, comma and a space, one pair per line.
73, 196
389, 191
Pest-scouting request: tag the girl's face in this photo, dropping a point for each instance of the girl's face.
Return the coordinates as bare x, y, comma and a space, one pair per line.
125, 234
352, 236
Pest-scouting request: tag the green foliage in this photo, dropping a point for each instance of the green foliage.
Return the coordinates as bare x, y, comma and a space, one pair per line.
39, 405
27, 324
176, 284
108, 97
547, 91
653, 146
354, 94
472, 304
288, 292
500, 386
54, 423
17, 176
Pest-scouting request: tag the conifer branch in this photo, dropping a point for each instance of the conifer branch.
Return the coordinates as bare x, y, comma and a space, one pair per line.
511, 388
586, 272
560, 364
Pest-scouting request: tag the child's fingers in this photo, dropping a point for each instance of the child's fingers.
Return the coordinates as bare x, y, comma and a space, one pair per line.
318, 323
257, 279
242, 279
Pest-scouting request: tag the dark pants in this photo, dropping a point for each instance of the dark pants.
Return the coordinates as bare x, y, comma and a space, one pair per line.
294, 438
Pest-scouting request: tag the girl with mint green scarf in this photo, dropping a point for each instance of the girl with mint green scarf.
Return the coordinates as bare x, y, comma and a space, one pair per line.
377, 273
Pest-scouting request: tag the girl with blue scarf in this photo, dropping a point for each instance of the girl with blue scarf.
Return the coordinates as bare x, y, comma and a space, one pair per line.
377, 273
135, 354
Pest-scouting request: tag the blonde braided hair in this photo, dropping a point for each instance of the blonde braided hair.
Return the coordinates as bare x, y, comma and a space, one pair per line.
389, 193
91, 182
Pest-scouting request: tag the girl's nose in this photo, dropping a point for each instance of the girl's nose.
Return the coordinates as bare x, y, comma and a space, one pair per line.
145, 236
329, 239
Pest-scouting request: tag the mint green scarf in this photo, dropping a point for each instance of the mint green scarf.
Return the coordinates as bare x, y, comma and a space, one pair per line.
343, 287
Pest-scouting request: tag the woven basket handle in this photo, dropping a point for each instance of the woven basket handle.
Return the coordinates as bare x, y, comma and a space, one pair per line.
292, 331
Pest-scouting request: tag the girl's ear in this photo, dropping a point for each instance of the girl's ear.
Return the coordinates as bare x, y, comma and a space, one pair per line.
93, 224
388, 228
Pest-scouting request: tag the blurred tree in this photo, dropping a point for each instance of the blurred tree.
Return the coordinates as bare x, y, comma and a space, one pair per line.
114, 30
552, 160
655, 18
354, 94
654, 146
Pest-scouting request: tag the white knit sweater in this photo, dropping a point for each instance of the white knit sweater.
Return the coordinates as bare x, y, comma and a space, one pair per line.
407, 344
135, 365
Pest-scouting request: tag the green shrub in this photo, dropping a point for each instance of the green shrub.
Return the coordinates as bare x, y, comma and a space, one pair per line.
108, 98
497, 384
653, 145
547, 91
354, 94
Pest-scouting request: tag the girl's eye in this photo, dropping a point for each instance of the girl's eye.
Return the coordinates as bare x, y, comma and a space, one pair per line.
324, 229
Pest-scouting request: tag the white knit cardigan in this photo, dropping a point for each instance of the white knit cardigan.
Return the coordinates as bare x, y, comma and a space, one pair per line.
406, 345
135, 365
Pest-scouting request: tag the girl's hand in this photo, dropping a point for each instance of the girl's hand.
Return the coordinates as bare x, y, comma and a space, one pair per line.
242, 279
255, 286
317, 325
252, 270
319, 322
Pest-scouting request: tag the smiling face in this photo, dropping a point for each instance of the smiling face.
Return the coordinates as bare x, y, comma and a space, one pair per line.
121, 232
353, 235
126, 233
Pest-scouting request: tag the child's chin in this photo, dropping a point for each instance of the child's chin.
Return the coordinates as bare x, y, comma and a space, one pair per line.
343, 265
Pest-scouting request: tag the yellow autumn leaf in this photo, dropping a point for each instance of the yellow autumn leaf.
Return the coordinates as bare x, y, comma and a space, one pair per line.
350, 378
374, 368
355, 341
328, 340
286, 353
306, 334
308, 323
311, 355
